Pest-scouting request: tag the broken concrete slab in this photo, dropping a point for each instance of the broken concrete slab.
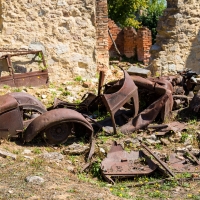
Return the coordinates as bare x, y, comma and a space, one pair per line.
137, 71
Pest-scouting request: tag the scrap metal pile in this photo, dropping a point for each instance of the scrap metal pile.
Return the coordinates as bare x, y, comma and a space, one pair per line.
132, 102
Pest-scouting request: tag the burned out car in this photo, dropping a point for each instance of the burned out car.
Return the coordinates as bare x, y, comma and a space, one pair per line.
21, 113
121, 99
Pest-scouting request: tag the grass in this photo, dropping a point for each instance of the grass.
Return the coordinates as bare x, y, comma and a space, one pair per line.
37, 151
184, 137
78, 78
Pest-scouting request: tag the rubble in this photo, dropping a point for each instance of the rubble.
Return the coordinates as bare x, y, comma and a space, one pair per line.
5, 154
145, 73
35, 180
75, 149
52, 156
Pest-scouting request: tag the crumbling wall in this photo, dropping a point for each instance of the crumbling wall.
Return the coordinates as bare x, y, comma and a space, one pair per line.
144, 42
178, 40
118, 36
130, 42
102, 35
63, 29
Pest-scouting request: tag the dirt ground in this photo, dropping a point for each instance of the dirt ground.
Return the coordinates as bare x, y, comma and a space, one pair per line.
63, 179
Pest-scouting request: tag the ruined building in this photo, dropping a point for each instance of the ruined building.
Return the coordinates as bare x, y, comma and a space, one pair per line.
178, 39
71, 33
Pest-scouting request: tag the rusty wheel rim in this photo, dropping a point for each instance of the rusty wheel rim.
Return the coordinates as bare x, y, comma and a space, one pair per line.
58, 133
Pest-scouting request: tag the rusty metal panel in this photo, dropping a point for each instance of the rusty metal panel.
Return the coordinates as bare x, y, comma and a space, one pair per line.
120, 163
27, 79
12, 121
185, 164
25, 98
115, 100
31, 79
7, 103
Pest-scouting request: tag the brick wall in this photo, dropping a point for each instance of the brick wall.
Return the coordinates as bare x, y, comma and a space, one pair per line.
102, 55
144, 42
130, 42
118, 36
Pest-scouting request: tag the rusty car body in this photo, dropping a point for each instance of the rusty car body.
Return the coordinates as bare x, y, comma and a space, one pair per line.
31, 78
21, 113
120, 98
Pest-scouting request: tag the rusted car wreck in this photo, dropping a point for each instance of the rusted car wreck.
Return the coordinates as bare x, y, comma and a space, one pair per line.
119, 98
23, 115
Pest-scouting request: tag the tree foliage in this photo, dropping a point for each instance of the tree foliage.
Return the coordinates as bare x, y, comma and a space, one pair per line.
123, 11
151, 16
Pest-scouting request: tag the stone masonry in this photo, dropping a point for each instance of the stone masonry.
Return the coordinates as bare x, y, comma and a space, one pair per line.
64, 29
178, 40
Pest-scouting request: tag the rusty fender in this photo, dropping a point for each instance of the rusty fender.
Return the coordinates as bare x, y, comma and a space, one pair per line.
53, 118
25, 98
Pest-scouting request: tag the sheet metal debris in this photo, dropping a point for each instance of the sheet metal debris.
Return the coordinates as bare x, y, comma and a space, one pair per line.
163, 129
35, 78
187, 163
121, 164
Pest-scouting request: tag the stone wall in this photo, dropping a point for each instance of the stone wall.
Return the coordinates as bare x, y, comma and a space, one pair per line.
63, 29
130, 42
178, 39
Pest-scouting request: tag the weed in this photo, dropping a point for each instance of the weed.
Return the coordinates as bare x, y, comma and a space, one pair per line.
40, 60
53, 93
72, 159
78, 101
119, 134
37, 163
16, 152
158, 146
71, 190
195, 197
78, 78
95, 169
52, 85
184, 137
61, 89
103, 138
193, 121
157, 194
6, 86
120, 190
17, 90
66, 93
37, 151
